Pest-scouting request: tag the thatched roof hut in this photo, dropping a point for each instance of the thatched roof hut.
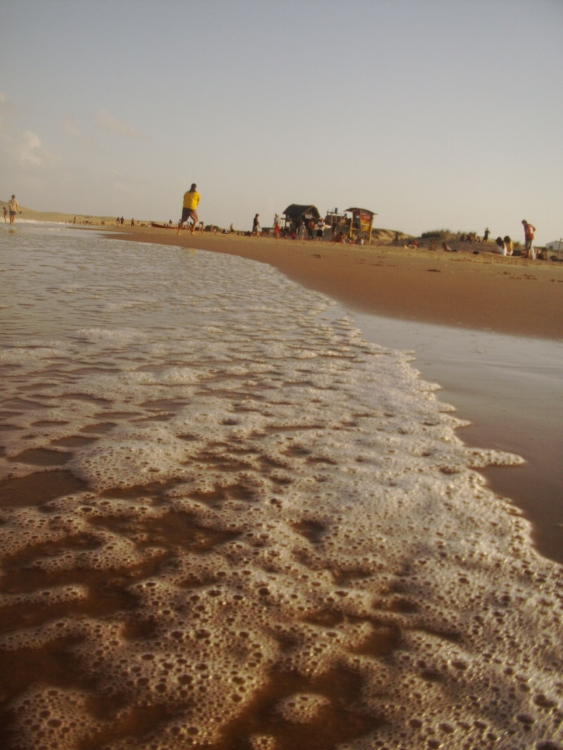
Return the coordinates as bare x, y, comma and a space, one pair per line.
297, 213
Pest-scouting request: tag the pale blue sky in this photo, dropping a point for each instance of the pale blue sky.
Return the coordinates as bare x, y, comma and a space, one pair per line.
433, 113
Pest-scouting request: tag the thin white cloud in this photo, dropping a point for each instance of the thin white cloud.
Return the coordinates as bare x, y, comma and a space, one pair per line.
21, 147
116, 127
29, 148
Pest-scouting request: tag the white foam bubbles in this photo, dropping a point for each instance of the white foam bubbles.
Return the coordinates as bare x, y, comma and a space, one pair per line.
280, 522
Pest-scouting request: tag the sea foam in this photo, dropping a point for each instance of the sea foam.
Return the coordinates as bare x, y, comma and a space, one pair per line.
229, 521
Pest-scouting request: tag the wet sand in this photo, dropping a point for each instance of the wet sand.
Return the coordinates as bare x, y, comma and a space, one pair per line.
484, 292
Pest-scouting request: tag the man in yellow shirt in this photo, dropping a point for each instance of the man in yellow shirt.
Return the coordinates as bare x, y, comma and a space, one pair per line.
189, 209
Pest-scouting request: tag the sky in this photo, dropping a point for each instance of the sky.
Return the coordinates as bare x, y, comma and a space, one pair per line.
432, 113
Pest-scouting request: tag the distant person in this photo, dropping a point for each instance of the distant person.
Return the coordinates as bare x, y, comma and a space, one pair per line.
301, 231
5, 215
13, 208
486, 234
189, 208
132, 222
509, 245
396, 240
232, 228
311, 229
320, 229
499, 247
256, 225
277, 230
529, 235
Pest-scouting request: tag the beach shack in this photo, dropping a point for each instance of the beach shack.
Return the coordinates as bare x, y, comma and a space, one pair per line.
296, 213
360, 224
333, 219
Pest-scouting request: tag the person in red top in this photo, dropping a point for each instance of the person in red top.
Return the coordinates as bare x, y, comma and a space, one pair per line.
529, 230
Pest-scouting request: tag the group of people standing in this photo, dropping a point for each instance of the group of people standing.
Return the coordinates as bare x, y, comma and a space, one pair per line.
313, 230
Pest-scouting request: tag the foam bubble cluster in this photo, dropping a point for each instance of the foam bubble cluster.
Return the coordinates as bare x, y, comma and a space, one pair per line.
229, 521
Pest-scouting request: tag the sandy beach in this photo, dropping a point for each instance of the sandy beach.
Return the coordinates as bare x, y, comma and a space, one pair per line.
485, 292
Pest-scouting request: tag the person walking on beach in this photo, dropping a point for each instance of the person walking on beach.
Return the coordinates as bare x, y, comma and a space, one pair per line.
189, 208
13, 207
256, 226
5, 215
486, 234
320, 229
529, 230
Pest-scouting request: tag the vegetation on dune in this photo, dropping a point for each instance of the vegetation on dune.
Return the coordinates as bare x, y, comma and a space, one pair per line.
436, 234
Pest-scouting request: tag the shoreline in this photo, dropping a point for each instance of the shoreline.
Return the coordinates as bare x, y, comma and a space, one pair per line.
510, 390
484, 292
509, 412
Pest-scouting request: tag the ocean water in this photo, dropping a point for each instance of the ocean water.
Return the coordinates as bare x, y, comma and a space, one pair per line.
228, 521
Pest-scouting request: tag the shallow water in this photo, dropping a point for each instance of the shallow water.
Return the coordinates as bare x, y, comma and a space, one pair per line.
229, 521
511, 389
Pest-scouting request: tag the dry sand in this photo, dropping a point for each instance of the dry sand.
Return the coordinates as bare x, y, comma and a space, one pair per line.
485, 292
